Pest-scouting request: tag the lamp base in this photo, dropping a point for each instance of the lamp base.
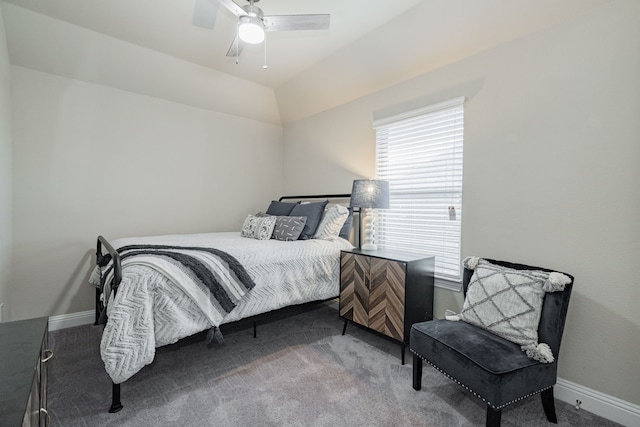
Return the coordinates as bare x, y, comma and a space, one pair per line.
369, 247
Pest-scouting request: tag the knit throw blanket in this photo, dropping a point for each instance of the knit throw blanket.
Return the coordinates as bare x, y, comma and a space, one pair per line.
214, 280
215, 273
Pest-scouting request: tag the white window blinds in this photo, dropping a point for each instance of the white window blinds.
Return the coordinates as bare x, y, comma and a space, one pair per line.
420, 154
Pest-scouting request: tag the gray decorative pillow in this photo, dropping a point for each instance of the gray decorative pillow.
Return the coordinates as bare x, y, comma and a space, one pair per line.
313, 212
345, 231
280, 208
508, 303
289, 227
256, 227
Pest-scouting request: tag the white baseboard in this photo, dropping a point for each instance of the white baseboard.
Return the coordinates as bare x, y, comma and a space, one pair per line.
63, 321
601, 404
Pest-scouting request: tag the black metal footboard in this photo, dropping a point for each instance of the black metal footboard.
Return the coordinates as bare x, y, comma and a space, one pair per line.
116, 405
117, 273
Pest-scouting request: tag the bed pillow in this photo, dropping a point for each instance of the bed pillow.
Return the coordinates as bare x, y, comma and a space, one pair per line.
331, 222
508, 302
258, 227
289, 228
280, 208
313, 212
345, 231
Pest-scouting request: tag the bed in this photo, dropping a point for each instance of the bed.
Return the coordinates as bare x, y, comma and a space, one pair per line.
154, 291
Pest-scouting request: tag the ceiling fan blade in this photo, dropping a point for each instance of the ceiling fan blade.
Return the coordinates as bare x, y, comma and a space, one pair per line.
236, 47
233, 7
296, 22
205, 13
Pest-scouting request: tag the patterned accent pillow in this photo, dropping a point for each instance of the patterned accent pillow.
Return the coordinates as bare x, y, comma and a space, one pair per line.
289, 227
256, 227
508, 302
331, 223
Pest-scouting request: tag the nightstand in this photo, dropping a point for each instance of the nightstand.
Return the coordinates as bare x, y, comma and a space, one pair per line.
386, 291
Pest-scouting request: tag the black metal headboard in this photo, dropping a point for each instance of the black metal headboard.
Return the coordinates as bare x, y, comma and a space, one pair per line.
322, 196
355, 233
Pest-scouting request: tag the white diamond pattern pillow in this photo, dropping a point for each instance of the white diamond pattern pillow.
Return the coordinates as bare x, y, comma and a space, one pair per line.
508, 302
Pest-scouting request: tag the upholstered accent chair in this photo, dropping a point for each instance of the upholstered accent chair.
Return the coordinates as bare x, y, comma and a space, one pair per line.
494, 369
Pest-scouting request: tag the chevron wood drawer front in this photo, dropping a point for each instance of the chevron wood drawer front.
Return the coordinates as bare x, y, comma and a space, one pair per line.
353, 305
386, 291
386, 297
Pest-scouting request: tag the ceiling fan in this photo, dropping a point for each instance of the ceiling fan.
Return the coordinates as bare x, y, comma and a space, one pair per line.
252, 23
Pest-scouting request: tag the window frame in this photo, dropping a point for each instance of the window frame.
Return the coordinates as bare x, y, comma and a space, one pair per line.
441, 127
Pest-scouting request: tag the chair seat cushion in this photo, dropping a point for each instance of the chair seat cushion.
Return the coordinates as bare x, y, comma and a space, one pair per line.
493, 368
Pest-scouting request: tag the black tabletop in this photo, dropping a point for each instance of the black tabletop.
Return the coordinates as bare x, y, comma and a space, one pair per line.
20, 344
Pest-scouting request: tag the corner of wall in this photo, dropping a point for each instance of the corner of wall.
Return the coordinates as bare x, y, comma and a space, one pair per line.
6, 174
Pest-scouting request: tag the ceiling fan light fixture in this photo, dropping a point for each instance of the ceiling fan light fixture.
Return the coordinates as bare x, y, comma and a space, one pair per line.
251, 29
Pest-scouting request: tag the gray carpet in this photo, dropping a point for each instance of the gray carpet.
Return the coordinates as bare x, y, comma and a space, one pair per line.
299, 371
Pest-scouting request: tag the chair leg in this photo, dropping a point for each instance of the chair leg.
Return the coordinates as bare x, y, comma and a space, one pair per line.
548, 403
417, 372
493, 417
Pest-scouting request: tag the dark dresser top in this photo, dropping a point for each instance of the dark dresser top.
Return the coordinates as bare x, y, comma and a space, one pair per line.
390, 254
20, 344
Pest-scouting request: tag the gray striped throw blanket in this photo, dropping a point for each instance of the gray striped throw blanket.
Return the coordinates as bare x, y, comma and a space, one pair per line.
215, 272
214, 280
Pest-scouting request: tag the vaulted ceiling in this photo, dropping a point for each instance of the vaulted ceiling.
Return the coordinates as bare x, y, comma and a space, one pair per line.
370, 43
168, 26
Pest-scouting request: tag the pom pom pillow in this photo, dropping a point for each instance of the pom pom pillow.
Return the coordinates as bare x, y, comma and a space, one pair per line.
508, 303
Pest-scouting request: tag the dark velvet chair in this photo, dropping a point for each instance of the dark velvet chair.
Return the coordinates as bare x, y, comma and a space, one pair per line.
492, 368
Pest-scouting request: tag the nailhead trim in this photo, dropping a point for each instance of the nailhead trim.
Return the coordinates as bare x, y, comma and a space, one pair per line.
476, 394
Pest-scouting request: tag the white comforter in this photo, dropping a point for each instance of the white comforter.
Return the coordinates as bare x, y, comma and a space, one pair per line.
150, 310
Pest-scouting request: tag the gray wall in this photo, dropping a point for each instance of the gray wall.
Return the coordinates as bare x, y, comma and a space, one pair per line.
89, 159
5, 173
550, 171
117, 140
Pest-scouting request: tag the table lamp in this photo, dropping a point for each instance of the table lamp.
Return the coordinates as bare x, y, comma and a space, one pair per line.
369, 194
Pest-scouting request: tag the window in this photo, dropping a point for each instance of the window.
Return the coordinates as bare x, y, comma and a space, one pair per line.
420, 154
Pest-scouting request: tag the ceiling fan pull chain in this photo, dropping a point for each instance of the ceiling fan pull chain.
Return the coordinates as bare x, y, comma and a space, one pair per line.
237, 42
264, 67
